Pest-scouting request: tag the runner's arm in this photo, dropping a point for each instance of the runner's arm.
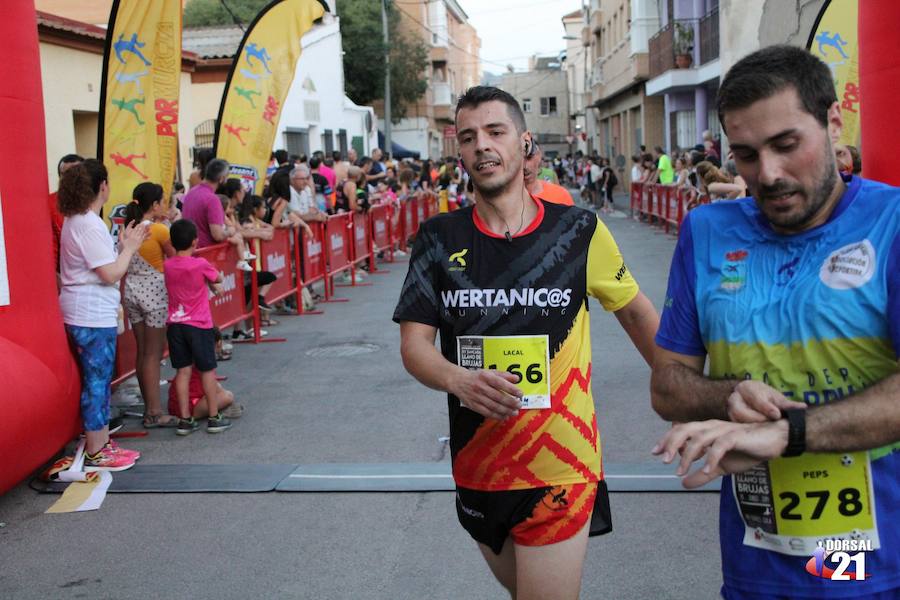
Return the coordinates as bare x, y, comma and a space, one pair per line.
639, 320
679, 391
489, 393
863, 421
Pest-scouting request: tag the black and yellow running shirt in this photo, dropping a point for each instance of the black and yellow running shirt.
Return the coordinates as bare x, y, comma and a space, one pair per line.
519, 305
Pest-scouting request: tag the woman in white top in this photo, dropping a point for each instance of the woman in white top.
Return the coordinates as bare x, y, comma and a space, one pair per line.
89, 298
637, 173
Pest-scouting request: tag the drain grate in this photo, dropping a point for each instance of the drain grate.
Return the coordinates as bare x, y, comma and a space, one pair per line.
342, 350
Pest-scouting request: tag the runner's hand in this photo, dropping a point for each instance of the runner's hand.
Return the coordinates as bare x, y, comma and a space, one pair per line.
756, 402
728, 447
134, 235
216, 289
492, 394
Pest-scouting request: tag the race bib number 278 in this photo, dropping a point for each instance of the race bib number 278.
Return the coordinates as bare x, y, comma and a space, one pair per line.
525, 356
790, 504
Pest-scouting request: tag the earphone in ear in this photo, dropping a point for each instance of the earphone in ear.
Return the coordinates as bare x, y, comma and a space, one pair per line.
530, 148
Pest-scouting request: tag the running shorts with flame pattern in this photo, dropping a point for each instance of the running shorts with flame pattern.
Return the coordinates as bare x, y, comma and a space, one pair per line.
536, 517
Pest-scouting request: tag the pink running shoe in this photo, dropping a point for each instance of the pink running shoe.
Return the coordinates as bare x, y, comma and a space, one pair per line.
107, 460
114, 445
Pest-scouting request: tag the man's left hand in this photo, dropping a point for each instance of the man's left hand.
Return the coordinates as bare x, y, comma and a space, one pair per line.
729, 447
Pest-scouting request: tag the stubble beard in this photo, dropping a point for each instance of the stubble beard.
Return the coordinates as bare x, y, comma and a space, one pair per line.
815, 199
493, 190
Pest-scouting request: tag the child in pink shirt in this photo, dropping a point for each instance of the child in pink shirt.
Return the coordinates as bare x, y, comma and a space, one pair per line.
190, 333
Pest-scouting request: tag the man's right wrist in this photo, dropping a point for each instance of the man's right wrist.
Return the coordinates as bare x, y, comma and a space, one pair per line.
451, 376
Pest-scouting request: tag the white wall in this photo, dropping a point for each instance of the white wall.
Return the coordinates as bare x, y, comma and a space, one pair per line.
413, 134
319, 78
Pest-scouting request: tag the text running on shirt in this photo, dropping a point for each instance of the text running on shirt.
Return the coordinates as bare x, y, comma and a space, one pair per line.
500, 298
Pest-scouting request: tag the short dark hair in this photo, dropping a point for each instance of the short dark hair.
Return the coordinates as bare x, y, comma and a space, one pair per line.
67, 160
182, 233
857, 159
230, 187
315, 162
479, 94
771, 70
280, 185
281, 156
336, 156
215, 168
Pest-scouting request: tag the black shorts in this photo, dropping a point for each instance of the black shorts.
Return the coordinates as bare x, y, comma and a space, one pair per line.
189, 345
531, 517
262, 278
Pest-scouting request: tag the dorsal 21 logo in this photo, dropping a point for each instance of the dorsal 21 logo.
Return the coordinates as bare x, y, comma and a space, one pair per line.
841, 554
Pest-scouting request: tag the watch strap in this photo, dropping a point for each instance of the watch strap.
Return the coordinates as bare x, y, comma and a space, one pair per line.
796, 418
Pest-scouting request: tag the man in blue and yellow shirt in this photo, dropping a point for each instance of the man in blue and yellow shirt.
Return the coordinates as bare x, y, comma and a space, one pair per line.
794, 295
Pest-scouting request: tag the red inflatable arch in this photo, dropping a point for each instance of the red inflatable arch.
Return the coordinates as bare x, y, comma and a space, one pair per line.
39, 384
879, 74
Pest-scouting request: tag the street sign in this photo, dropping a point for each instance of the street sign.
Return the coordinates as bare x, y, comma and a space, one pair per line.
449, 132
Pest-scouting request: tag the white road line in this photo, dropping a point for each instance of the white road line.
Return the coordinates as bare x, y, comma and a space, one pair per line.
313, 476
445, 476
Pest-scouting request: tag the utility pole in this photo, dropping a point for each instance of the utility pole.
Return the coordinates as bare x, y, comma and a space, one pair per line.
387, 80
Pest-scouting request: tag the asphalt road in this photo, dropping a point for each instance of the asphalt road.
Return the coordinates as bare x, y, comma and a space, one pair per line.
356, 409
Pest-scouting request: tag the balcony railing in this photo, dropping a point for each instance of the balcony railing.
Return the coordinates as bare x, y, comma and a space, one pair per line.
676, 38
709, 36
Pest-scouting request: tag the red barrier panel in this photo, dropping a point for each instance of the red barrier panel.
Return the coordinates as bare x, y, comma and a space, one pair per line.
410, 219
671, 207
380, 222
397, 231
381, 217
646, 199
362, 249
313, 256
338, 246
229, 307
275, 257
421, 214
636, 191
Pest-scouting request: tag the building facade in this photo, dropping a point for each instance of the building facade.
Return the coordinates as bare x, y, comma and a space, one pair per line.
578, 50
656, 64
626, 116
316, 115
543, 94
453, 66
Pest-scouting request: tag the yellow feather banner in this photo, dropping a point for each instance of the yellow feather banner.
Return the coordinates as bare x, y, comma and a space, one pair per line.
138, 139
835, 39
258, 85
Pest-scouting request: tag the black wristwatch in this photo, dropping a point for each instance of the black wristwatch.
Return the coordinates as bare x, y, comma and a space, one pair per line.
796, 418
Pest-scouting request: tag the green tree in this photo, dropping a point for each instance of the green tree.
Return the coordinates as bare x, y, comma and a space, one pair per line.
363, 40
199, 13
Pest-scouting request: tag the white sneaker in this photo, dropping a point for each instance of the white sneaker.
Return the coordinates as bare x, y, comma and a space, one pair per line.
248, 255
243, 265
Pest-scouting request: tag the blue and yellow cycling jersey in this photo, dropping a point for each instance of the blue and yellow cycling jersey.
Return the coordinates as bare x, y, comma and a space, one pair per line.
816, 316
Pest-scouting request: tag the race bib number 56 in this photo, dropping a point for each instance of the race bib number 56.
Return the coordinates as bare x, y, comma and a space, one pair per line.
525, 356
